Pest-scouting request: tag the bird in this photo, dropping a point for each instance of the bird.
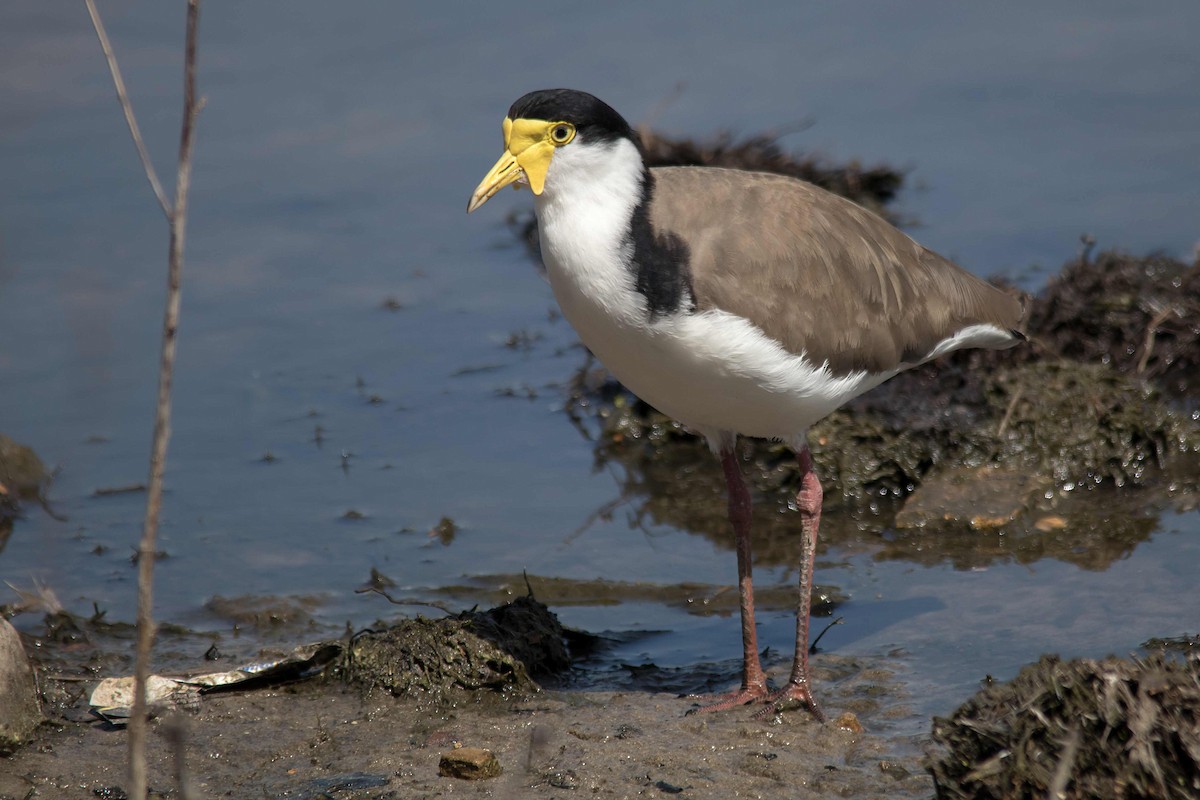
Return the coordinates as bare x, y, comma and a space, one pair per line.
738, 303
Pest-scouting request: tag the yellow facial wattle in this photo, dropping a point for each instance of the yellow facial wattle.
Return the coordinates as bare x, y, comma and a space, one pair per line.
529, 144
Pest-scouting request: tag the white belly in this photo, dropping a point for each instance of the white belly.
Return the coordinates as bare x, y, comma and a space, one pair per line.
712, 371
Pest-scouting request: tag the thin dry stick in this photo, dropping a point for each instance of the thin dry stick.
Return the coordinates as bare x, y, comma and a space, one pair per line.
177, 218
1008, 412
1066, 763
130, 120
1151, 336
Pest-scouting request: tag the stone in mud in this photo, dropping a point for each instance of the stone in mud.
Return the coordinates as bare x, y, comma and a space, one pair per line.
469, 763
1050, 522
265, 611
979, 498
848, 721
19, 711
1076, 729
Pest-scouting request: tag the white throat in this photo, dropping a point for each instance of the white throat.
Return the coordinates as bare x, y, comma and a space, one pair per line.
584, 217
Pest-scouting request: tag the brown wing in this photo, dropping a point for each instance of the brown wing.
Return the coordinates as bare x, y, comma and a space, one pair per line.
816, 272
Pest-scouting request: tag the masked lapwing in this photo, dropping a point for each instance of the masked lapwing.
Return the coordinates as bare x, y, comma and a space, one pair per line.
735, 302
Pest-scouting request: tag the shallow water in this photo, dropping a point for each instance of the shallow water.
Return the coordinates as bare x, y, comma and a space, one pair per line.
333, 164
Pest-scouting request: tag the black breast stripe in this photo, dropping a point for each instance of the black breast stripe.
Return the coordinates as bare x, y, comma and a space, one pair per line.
660, 261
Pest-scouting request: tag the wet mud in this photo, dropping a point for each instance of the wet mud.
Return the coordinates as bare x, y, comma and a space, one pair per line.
350, 733
1084, 728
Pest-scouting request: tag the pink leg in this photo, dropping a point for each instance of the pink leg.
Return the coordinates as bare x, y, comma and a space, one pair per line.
799, 687
754, 682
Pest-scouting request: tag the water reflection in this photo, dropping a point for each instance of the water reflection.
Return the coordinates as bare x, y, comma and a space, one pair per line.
668, 478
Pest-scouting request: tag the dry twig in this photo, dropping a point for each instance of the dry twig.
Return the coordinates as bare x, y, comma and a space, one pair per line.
127, 107
177, 219
1008, 412
1151, 335
1066, 763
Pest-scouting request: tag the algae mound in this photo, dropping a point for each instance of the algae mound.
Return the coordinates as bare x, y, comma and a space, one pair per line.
1116, 728
445, 659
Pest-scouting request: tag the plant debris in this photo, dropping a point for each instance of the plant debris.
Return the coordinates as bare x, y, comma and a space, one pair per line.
496, 650
1076, 729
1140, 316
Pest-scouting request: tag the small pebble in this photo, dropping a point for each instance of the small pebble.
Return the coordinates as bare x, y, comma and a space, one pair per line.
1052, 523
848, 722
468, 763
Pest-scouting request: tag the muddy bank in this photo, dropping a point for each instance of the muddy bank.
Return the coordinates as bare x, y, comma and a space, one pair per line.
356, 732
353, 731
319, 741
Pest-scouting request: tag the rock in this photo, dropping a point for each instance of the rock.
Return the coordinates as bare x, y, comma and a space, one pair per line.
469, 763
848, 722
19, 711
1050, 522
982, 498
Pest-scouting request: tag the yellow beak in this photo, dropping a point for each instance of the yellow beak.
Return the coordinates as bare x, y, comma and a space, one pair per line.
506, 171
527, 152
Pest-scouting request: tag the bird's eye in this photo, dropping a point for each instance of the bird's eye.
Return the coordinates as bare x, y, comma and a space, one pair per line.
562, 133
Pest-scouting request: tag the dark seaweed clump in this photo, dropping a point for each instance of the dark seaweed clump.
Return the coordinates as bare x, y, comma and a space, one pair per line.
1115, 728
444, 659
22, 478
1140, 316
1092, 399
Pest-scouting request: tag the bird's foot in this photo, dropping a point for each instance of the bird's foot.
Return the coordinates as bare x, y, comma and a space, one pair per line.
723, 702
788, 697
